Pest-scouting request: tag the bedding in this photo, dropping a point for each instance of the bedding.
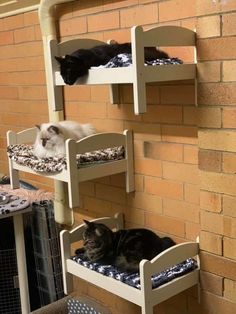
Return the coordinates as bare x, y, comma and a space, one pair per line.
10, 203
125, 60
133, 279
23, 155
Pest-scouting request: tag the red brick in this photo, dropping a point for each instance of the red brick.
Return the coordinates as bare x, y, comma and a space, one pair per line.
110, 193
230, 227
178, 94
229, 68
13, 22
209, 26
190, 115
31, 18
218, 265
73, 26
217, 305
180, 172
33, 92
179, 134
207, 7
149, 167
145, 201
164, 224
209, 117
181, 210
229, 163
218, 182
210, 160
192, 230
216, 93
163, 151
164, 114
211, 283
211, 242
230, 248
164, 188
104, 21
223, 140
192, 193
191, 154
209, 71
228, 24
229, 118
210, 201
140, 15
229, 205
6, 38
174, 10
217, 48
212, 222
230, 289
24, 34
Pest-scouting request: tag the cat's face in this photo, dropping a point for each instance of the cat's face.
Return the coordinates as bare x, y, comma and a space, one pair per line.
96, 235
49, 137
71, 68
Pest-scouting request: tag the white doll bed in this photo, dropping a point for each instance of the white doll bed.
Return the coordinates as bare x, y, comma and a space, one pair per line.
72, 174
146, 297
138, 74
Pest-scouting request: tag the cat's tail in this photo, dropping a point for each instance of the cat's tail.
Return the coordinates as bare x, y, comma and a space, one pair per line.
88, 129
167, 242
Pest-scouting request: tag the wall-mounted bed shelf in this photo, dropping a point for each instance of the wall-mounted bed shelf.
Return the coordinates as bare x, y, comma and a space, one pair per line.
137, 74
146, 297
71, 174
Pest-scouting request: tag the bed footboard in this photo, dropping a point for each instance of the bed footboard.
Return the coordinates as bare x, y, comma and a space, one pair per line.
146, 296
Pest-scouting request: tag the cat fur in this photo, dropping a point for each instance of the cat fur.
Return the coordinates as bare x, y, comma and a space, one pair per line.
123, 248
77, 64
51, 137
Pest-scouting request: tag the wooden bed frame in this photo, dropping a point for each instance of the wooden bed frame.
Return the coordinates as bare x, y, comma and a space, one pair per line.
73, 175
138, 74
146, 297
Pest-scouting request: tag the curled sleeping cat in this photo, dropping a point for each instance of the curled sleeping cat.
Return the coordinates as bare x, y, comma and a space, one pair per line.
51, 137
123, 248
77, 64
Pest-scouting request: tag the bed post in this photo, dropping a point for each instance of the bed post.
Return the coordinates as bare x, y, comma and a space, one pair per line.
65, 254
139, 85
146, 287
130, 160
14, 174
47, 21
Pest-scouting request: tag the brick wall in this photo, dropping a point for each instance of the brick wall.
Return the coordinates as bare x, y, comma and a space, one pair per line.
216, 134
172, 141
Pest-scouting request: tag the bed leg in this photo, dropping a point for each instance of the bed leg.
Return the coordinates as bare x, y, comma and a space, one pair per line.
14, 174
147, 309
114, 94
130, 161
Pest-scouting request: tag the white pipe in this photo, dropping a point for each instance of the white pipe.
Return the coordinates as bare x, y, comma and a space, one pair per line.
63, 214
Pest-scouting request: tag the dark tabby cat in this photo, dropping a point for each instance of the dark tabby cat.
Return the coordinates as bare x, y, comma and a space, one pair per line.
123, 248
77, 64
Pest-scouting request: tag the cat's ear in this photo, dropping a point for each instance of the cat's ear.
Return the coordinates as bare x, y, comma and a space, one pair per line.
54, 129
59, 59
98, 232
86, 222
38, 126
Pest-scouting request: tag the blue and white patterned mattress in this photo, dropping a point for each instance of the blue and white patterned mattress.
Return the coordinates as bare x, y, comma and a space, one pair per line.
133, 279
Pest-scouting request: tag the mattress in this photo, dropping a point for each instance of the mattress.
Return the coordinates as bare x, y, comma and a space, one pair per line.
23, 155
133, 279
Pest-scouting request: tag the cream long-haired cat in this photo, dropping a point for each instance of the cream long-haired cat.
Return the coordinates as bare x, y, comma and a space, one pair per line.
51, 137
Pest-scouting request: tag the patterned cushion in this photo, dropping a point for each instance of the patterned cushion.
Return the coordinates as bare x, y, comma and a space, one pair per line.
10, 203
133, 279
125, 59
23, 155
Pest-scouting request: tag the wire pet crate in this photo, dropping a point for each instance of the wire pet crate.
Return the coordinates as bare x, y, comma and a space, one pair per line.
9, 290
45, 236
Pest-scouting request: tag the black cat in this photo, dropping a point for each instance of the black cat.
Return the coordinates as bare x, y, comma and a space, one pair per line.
123, 248
77, 64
